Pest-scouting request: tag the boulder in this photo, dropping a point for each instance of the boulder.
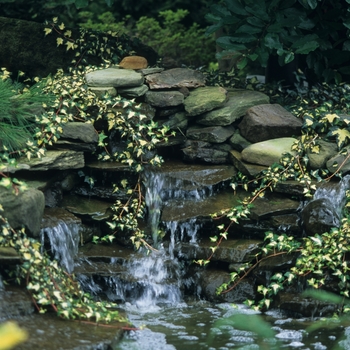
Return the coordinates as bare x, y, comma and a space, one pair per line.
133, 62
164, 98
84, 132
175, 78
265, 122
114, 77
24, 209
236, 106
319, 216
205, 99
212, 134
56, 159
268, 152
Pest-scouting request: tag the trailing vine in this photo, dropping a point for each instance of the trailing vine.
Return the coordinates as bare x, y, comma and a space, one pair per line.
67, 99
319, 259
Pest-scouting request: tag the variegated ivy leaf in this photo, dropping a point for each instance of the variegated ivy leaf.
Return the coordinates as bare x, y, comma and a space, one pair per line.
342, 136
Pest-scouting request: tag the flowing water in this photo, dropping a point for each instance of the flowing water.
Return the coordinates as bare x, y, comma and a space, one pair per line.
153, 297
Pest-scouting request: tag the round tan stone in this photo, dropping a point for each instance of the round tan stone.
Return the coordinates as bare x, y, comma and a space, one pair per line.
133, 62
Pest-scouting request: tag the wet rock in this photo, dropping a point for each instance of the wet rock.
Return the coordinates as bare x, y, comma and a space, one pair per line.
133, 62
175, 78
265, 122
84, 132
15, 303
319, 216
114, 77
212, 134
295, 305
210, 279
195, 151
93, 209
268, 152
205, 99
58, 159
231, 251
24, 209
326, 151
273, 204
197, 176
164, 98
236, 106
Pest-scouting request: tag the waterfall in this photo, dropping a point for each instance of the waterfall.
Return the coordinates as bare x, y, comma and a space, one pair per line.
64, 240
146, 281
335, 194
154, 183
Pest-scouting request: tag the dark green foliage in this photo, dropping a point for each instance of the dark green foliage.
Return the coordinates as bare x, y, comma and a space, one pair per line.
314, 30
17, 116
167, 35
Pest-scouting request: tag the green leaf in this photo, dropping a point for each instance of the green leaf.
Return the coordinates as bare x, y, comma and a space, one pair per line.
306, 44
226, 43
243, 38
323, 295
255, 21
109, 3
259, 10
236, 7
81, 3
341, 135
247, 29
272, 41
219, 10
242, 63
312, 4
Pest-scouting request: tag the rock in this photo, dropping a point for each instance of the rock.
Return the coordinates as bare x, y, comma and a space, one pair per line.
319, 216
243, 167
58, 159
205, 99
340, 160
133, 62
133, 91
268, 152
207, 154
148, 71
212, 134
101, 91
273, 204
164, 98
15, 303
94, 209
231, 251
114, 77
25, 209
210, 279
84, 132
175, 78
265, 122
294, 305
238, 142
176, 121
236, 106
326, 151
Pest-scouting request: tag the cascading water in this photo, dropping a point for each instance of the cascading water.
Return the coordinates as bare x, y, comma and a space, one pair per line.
64, 240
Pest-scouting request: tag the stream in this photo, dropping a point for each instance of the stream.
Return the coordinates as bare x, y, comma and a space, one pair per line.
150, 289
